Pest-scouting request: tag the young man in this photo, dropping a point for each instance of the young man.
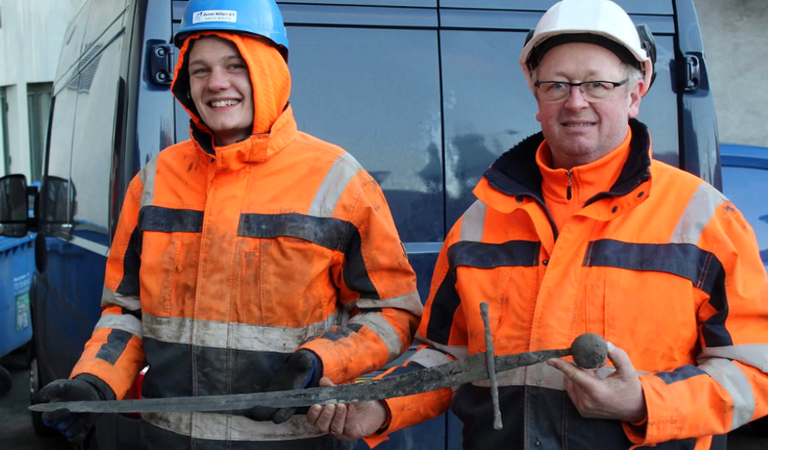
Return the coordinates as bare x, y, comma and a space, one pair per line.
577, 229
252, 257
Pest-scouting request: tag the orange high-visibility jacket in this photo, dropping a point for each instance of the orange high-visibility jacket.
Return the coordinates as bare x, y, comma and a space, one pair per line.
226, 260
662, 265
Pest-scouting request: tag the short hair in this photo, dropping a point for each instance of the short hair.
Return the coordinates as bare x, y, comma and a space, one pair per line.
633, 74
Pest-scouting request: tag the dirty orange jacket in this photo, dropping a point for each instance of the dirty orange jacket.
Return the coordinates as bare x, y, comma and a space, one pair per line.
661, 264
226, 260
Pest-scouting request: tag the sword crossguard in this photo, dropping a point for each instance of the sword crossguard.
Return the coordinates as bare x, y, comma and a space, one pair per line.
490, 368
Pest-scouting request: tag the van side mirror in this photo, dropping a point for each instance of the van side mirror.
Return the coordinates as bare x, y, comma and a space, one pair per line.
13, 206
59, 206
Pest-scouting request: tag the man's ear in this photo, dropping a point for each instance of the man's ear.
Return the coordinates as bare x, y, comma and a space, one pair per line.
635, 98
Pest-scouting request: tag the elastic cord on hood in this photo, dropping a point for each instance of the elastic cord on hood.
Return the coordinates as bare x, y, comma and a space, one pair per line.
269, 76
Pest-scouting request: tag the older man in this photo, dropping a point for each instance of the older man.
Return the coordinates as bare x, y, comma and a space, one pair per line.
251, 257
577, 229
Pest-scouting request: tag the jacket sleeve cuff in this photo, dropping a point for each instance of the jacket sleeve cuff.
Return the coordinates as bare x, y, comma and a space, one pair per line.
105, 391
380, 435
659, 425
635, 431
375, 439
331, 359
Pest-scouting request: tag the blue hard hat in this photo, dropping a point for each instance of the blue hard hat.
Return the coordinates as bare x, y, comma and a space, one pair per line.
258, 17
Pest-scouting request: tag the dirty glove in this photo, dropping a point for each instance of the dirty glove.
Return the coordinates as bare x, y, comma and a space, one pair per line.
75, 426
303, 369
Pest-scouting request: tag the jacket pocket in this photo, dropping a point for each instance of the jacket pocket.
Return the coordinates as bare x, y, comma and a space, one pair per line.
650, 315
296, 287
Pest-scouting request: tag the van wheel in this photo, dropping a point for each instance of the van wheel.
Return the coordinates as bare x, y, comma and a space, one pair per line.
5, 381
36, 417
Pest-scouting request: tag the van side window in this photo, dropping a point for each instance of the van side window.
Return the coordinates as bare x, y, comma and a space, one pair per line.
100, 16
487, 108
38, 112
59, 153
388, 117
4, 130
92, 148
73, 40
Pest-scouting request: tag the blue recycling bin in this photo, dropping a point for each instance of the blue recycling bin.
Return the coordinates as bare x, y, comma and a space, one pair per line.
16, 273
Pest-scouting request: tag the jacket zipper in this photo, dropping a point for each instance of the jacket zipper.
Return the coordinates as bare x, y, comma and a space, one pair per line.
569, 185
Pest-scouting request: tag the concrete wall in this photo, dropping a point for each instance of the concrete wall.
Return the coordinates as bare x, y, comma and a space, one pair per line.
30, 41
735, 40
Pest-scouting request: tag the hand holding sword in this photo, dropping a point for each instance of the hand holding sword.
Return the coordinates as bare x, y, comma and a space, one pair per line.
588, 350
353, 421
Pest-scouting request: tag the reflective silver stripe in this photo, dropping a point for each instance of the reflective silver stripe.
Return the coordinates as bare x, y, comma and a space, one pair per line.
148, 177
330, 190
755, 355
429, 358
697, 214
383, 329
222, 427
540, 375
124, 322
237, 336
472, 222
459, 351
128, 302
408, 302
735, 382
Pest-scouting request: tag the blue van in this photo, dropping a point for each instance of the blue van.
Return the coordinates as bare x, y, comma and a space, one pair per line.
424, 93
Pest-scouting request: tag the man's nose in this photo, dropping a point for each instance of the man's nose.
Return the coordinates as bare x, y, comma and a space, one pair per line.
575, 99
218, 80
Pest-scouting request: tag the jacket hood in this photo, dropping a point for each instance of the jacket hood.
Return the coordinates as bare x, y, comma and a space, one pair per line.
269, 76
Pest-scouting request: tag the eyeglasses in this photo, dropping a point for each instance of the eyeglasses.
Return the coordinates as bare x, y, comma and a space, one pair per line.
592, 91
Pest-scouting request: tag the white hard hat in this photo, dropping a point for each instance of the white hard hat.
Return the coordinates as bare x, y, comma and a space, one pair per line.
600, 22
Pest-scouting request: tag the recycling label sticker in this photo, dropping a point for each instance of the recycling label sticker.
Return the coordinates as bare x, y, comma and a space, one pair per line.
214, 15
23, 311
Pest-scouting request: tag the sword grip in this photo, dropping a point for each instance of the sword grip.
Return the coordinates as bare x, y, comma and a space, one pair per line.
487, 332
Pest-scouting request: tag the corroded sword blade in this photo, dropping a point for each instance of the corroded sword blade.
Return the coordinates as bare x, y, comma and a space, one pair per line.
467, 370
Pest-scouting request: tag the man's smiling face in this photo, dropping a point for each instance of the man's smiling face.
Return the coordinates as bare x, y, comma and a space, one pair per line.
579, 132
221, 89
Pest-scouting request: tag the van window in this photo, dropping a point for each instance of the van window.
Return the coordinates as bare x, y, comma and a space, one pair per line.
71, 46
60, 148
4, 129
92, 148
631, 6
39, 95
103, 13
388, 117
488, 108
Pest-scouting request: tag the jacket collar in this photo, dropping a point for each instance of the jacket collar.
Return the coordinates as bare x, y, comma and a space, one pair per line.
516, 173
255, 149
